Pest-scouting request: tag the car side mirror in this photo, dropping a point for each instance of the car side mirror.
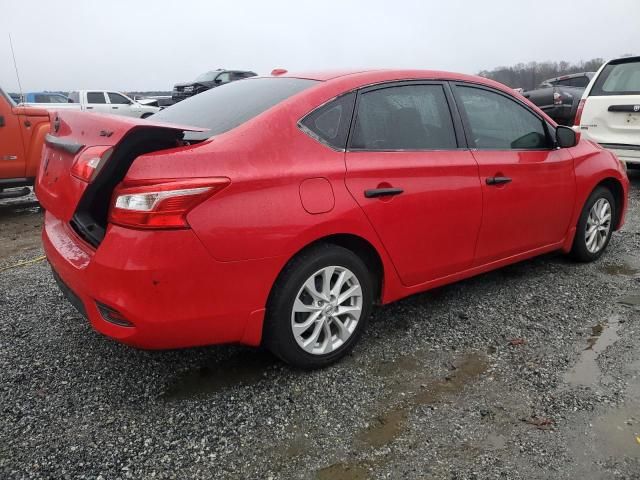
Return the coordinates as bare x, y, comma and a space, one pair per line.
566, 137
217, 80
1, 120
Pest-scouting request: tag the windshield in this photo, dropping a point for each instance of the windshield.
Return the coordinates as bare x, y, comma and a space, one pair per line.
207, 77
223, 108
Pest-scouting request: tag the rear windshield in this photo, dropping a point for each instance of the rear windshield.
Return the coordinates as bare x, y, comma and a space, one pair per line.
620, 78
224, 108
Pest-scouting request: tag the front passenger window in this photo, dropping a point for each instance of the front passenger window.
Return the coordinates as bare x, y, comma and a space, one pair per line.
499, 123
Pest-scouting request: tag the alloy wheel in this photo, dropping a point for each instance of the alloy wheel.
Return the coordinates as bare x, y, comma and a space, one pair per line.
598, 225
326, 310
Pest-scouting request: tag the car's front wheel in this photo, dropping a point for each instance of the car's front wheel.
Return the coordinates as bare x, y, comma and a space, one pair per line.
319, 307
594, 226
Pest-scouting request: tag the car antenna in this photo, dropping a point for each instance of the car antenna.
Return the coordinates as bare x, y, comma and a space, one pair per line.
13, 54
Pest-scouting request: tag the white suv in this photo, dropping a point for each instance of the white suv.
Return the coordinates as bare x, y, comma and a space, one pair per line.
609, 112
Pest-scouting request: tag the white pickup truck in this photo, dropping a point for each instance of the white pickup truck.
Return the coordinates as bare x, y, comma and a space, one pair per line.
102, 101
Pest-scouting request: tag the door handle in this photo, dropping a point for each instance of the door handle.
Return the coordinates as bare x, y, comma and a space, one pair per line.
497, 180
382, 192
89, 108
115, 108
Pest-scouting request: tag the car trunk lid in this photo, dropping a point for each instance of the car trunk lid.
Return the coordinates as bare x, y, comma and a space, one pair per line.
74, 200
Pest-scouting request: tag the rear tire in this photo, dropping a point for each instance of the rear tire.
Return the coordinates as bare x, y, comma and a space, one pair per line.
595, 226
318, 307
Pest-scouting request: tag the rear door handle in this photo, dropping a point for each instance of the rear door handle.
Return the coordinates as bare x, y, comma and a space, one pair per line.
115, 108
89, 108
382, 192
497, 180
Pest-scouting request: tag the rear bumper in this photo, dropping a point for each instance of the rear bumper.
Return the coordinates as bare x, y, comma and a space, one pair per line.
164, 282
625, 155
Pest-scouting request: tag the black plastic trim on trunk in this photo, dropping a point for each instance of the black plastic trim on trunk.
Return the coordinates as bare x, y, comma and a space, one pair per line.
61, 144
625, 108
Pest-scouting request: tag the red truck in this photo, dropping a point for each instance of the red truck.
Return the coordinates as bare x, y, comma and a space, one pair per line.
22, 131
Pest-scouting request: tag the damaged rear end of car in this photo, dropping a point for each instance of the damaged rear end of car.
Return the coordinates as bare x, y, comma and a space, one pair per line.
115, 246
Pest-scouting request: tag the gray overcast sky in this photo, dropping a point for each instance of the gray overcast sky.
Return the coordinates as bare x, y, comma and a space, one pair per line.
151, 44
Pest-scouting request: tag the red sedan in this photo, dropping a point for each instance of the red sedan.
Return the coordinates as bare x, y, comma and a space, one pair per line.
277, 210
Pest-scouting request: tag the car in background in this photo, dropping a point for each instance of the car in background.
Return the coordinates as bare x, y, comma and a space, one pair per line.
609, 111
161, 101
559, 97
45, 97
115, 103
277, 210
206, 81
22, 132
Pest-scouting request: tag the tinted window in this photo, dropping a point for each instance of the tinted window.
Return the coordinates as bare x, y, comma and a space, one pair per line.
207, 77
117, 98
223, 77
330, 123
223, 108
411, 117
499, 123
621, 78
74, 97
58, 99
573, 82
95, 97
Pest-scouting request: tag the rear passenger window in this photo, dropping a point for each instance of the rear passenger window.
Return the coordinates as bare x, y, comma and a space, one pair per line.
409, 117
499, 123
330, 123
95, 97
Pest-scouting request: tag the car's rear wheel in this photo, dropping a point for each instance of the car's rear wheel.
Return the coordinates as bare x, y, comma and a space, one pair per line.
594, 226
319, 307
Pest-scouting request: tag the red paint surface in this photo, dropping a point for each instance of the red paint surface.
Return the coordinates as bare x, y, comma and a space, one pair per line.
209, 283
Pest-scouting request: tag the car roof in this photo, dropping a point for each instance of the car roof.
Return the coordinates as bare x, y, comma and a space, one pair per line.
358, 78
630, 59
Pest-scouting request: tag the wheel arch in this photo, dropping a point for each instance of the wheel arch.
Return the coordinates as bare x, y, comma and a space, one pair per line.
355, 243
615, 187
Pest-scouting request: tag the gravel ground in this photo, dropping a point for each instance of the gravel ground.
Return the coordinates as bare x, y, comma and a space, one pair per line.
532, 371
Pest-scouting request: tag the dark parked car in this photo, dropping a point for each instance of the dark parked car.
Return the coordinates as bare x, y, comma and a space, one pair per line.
206, 81
559, 97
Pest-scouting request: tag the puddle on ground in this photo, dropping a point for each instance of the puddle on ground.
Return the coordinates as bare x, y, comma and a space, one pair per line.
630, 300
419, 391
616, 433
629, 266
343, 471
244, 369
587, 372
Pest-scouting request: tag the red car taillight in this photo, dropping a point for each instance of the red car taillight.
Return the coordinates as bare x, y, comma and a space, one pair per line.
89, 162
579, 112
161, 205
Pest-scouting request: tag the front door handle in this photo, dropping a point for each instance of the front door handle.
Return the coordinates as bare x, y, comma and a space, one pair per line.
89, 108
382, 192
115, 108
497, 180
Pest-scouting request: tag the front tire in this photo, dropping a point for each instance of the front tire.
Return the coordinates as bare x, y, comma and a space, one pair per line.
594, 226
319, 307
